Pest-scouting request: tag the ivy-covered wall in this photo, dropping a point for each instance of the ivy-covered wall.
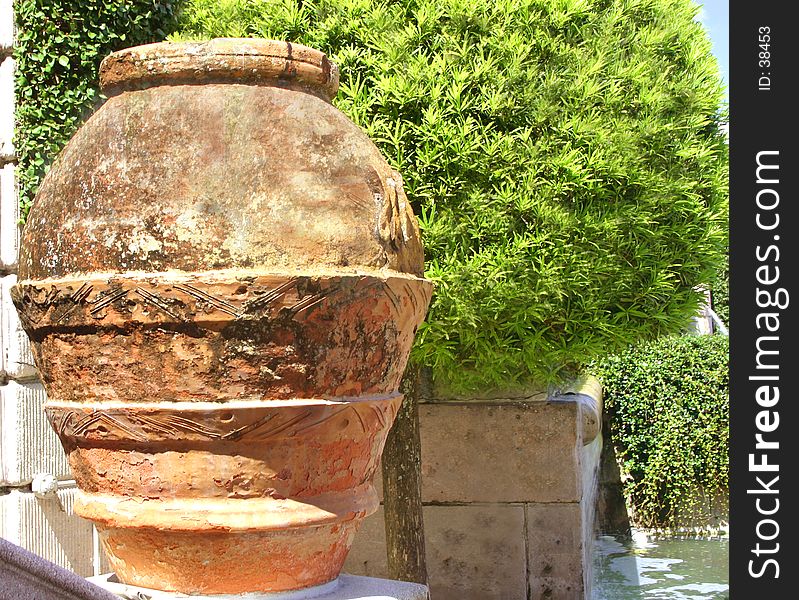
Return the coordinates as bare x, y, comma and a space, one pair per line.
58, 50
668, 403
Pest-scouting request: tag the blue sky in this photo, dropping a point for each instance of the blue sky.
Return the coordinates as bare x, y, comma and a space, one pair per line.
715, 16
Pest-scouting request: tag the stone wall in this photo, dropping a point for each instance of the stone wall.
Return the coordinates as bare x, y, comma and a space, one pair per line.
509, 488
31, 457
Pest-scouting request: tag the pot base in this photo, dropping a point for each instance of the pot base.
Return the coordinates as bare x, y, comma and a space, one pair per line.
229, 562
259, 496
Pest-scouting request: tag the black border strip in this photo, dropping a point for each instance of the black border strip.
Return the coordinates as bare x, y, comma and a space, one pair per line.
764, 259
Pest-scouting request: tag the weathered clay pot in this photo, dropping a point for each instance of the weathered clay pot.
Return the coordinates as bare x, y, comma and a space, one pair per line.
222, 278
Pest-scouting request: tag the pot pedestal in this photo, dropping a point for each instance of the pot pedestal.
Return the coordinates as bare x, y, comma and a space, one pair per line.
345, 587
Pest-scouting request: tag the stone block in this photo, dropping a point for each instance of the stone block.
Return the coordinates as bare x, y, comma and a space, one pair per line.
556, 552
534, 450
48, 528
9, 219
590, 458
18, 360
28, 445
476, 552
6, 108
500, 452
368, 553
589, 463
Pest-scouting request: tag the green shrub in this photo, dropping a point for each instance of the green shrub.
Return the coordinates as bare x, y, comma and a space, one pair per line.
563, 157
668, 403
58, 50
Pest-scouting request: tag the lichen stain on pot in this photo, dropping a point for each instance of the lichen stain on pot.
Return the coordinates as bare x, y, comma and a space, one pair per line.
221, 279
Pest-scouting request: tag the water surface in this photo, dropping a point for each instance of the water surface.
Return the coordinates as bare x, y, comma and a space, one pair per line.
651, 569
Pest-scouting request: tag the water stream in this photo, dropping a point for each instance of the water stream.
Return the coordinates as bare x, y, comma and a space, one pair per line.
650, 569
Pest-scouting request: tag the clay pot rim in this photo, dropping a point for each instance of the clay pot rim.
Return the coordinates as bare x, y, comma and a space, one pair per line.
249, 61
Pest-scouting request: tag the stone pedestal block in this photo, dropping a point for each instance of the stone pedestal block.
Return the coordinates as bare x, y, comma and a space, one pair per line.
47, 527
473, 551
556, 551
509, 488
346, 587
476, 551
509, 452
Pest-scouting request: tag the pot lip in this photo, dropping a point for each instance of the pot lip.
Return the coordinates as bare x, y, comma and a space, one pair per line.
222, 275
250, 61
205, 406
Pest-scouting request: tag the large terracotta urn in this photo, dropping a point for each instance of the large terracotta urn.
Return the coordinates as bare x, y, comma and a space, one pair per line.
222, 278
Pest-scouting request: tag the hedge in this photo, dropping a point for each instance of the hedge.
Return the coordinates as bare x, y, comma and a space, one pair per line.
668, 404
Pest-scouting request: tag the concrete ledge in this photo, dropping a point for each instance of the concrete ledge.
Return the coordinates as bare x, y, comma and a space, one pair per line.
346, 587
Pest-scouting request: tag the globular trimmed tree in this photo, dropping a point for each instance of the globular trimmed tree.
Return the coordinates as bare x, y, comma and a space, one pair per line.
563, 156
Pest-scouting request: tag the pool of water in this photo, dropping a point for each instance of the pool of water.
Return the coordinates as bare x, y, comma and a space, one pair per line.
642, 568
